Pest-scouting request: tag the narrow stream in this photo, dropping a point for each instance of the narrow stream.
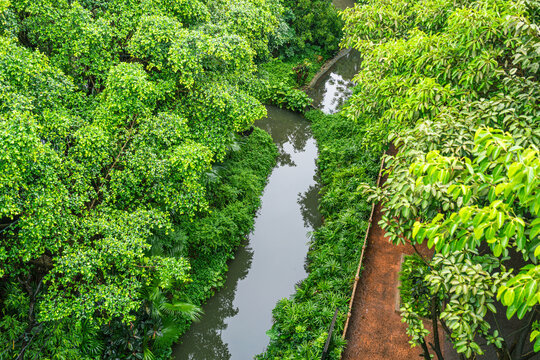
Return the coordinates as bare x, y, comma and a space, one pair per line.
236, 319
266, 269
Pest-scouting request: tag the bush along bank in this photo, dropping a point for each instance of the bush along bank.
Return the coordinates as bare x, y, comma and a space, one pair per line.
281, 94
234, 189
278, 81
301, 322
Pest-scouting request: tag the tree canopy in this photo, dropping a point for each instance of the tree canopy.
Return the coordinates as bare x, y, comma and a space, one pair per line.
454, 85
111, 116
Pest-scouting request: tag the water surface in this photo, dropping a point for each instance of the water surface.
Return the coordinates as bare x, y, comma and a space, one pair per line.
272, 261
343, 4
335, 86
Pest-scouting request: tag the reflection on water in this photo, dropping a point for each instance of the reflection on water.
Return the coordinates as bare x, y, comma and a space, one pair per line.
287, 129
204, 340
309, 206
343, 4
265, 270
334, 87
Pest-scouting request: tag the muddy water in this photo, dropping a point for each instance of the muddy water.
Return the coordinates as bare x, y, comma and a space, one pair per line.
343, 4
236, 319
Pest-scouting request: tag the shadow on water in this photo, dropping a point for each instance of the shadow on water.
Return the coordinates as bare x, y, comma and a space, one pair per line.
236, 319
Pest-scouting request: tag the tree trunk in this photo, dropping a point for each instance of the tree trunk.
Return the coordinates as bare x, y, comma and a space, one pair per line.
435, 319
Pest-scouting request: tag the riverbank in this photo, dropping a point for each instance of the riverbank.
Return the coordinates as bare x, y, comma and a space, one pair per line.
271, 261
302, 321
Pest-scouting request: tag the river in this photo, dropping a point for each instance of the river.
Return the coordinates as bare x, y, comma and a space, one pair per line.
266, 269
272, 261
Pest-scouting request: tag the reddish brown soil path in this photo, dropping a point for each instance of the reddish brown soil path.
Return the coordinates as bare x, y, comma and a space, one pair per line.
375, 330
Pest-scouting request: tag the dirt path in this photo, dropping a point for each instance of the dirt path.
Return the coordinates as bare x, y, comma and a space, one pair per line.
375, 331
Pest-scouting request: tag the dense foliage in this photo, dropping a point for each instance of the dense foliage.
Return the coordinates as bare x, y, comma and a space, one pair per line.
305, 26
111, 117
301, 323
455, 85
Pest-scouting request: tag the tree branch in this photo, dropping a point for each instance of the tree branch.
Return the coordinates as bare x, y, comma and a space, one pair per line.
425, 348
116, 159
434, 319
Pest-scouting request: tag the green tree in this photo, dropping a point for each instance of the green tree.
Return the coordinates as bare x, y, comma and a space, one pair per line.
455, 87
111, 117
315, 24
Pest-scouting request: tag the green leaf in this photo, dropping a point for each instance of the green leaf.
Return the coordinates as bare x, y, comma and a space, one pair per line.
416, 228
465, 214
500, 188
508, 297
522, 310
478, 232
531, 289
511, 310
534, 232
497, 250
537, 251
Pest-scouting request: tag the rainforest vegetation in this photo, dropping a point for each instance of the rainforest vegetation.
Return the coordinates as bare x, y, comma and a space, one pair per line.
454, 86
128, 178
124, 183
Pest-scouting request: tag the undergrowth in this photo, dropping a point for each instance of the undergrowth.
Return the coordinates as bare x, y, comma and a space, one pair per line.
235, 193
234, 189
301, 322
279, 80
285, 70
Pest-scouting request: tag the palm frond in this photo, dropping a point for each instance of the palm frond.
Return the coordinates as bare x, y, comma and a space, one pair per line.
148, 354
188, 310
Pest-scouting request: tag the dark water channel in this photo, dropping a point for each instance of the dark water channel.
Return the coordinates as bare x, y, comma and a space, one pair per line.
236, 319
